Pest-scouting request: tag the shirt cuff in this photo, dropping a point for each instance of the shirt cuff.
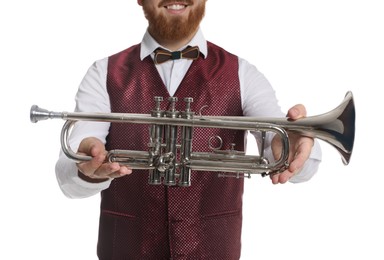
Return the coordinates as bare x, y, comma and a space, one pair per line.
72, 185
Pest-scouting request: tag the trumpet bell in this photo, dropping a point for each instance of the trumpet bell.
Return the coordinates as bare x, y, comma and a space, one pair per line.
341, 132
336, 127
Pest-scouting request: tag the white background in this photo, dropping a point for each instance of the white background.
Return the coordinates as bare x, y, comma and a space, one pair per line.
312, 52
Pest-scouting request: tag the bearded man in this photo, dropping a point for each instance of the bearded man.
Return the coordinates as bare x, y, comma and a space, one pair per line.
142, 221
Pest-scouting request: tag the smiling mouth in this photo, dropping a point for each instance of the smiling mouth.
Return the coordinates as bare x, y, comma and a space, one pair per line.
176, 7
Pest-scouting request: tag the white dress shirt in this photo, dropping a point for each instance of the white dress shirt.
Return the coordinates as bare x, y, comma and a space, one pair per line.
258, 99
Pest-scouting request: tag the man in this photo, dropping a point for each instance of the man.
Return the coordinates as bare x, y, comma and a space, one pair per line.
141, 221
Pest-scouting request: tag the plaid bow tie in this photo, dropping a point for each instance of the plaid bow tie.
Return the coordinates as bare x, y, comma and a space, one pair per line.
162, 55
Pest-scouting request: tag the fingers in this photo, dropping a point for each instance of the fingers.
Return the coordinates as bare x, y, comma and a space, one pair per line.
303, 149
97, 167
96, 170
282, 177
300, 148
111, 170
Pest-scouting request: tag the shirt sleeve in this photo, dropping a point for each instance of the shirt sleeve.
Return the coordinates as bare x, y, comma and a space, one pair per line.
92, 97
259, 100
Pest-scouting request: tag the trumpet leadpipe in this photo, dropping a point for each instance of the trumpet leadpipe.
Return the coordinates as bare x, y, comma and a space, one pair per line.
336, 127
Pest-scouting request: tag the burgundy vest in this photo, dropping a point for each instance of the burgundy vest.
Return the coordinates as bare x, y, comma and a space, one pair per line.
142, 221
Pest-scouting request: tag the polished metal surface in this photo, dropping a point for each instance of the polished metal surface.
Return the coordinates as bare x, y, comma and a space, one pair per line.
336, 127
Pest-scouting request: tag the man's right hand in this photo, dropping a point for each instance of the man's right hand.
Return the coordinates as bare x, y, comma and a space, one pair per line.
97, 168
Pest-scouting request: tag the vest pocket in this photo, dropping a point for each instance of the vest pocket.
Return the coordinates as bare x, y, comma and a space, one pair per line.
117, 214
221, 235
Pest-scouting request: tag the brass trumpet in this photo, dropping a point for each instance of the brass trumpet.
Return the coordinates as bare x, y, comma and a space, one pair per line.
171, 163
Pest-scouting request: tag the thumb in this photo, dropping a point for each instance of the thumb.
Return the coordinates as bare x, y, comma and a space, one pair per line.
296, 112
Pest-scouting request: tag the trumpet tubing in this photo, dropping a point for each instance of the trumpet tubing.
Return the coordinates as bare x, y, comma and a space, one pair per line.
337, 128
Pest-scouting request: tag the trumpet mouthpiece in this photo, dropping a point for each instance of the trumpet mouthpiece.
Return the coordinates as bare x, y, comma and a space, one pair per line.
37, 114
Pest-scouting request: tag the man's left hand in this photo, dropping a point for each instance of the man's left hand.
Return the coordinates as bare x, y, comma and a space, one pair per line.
300, 148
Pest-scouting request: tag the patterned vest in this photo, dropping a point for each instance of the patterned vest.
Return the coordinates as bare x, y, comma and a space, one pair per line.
142, 221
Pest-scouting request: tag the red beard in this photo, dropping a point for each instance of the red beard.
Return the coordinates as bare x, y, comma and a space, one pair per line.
165, 28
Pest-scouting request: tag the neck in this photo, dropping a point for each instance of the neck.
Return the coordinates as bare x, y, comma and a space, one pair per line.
172, 45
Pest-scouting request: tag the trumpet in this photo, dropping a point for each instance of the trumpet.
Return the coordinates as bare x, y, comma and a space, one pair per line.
171, 163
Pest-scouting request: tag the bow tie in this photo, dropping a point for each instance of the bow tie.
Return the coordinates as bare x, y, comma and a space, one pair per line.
162, 55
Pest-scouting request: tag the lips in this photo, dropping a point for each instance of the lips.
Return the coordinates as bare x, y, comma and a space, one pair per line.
175, 7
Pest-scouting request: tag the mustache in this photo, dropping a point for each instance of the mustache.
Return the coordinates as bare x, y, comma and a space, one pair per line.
168, 2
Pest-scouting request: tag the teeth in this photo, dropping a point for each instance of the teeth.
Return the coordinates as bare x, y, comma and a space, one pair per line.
175, 7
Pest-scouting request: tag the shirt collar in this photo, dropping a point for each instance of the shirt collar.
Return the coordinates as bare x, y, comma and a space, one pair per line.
149, 45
